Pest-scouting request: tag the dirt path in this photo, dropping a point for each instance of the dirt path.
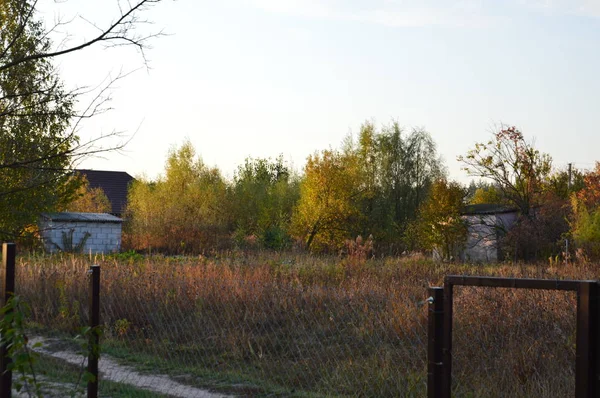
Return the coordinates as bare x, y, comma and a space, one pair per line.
113, 371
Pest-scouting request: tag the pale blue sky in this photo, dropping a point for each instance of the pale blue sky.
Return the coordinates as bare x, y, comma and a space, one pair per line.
262, 77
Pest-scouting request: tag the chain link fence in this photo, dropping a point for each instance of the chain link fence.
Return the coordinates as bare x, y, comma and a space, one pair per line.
254, 337
49, 315
187, 329
280, 327
513, 342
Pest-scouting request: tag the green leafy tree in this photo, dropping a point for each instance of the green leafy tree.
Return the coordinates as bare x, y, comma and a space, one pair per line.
396, 171
585, 228
263, 195
35, 111
409, 165
39, 118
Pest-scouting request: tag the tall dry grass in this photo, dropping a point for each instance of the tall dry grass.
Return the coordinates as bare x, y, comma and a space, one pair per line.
298, 324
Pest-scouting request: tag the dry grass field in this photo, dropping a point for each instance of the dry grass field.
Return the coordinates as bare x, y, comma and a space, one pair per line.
269, 324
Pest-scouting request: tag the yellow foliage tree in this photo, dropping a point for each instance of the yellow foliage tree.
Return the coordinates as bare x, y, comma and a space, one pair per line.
182, 212
439, 224
327, 211
89, 200
487, 195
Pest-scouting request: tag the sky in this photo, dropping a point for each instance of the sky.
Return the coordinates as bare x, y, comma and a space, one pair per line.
260, 78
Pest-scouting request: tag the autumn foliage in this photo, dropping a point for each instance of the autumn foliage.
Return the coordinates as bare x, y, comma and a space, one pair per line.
585, 221
88, 199
383, 184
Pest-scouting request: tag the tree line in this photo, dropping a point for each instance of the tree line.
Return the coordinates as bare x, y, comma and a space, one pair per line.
371, 187
386, 186
385, 189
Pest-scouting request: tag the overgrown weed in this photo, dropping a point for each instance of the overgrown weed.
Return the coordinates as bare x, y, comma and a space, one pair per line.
322, 325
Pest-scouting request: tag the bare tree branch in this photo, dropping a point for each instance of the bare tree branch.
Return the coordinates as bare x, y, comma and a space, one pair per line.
39, 121
118, 33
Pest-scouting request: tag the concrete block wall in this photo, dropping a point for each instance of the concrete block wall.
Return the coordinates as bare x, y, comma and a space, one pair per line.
104, 237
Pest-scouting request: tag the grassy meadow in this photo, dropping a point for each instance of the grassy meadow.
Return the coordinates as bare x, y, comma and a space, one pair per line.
285, 324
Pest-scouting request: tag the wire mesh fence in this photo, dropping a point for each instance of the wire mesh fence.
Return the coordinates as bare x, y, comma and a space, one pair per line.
54, 304
513, 342
189, 330
198, 327
278, 336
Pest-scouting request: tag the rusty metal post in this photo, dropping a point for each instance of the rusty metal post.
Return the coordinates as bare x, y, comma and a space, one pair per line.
435, 343
7, 275
447, 350
94, 337
586, 362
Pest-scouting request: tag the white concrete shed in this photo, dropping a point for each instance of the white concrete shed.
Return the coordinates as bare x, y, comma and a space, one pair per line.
81, 232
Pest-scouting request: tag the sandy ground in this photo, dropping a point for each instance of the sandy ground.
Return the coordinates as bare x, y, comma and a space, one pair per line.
111, 370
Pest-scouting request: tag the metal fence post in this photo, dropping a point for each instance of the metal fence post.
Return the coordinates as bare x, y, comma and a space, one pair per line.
586, 362
595, 333
7, 275
435, 343
94, 337
447, 350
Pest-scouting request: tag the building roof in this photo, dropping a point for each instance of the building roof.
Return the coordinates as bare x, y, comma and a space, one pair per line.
487, 208
113, 183
81, 217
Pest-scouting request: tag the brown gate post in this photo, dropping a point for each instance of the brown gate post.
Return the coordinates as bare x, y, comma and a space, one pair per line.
586, 361
94, 338
7, 275
435, 343
447, 350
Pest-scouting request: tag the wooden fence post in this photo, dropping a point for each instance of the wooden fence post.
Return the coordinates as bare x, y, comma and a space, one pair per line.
94, 337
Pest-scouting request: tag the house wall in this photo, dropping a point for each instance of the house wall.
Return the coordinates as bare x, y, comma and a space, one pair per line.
105, 237
507, 220
482, 239
483, 234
